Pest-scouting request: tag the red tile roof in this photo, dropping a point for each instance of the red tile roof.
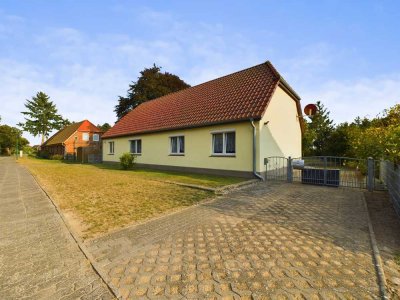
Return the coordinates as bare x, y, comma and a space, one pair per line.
235, 97
62, 135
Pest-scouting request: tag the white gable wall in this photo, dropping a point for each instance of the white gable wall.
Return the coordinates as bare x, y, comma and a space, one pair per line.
281, 136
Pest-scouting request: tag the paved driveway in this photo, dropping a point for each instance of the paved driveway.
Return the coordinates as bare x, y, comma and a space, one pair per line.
275, 241
38, 257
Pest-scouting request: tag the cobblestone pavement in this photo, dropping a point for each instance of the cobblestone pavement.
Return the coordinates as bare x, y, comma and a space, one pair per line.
38, 257
268, 241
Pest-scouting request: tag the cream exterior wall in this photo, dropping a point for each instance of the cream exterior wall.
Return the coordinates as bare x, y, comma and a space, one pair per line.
281, 136
198, 143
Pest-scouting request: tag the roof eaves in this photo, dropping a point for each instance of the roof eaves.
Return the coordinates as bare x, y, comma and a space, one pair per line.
182, 127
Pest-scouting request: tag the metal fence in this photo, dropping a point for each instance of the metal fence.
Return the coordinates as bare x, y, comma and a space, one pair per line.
390, 176
323, 170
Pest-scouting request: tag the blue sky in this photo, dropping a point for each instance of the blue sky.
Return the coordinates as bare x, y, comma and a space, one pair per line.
85, 53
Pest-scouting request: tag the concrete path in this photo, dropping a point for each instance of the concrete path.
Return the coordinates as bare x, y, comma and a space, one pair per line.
38, 257
275, 241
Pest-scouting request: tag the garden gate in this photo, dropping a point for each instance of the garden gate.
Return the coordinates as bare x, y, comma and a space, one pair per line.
325, 170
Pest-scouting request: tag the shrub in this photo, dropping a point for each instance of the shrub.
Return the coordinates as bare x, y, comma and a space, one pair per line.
43, 154
127, 160
57, 157
30, 151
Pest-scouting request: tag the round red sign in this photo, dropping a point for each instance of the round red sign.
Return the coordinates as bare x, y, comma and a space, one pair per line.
310, 110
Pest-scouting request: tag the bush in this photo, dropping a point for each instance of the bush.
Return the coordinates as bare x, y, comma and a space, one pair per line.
29, 151
43, 154
57, 157
127, 160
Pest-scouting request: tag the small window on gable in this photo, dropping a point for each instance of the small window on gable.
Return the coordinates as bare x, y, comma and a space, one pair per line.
85, 136
177, 145
224, 143
95, 137
111, 147
136, 146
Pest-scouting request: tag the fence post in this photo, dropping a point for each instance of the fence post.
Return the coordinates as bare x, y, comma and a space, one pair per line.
325, 170
370, 174
289, 170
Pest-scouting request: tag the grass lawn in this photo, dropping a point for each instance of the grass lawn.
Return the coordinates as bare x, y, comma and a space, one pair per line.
100, 198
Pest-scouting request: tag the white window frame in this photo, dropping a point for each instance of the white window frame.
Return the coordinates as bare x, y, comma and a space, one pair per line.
111, 147
141, 144
223, 132
97, 137
177, 144
85, 134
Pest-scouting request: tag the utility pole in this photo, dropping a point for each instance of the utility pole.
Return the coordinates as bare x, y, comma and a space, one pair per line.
16, 147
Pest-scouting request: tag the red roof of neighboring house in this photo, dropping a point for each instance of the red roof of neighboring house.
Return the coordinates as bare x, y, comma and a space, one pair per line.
235, 97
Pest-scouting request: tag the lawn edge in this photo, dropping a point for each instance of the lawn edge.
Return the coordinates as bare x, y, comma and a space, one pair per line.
78, 240
217, 193
218, 190
376, 254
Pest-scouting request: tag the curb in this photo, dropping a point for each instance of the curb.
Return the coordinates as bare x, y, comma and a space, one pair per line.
376, 255
113, 290
220, 190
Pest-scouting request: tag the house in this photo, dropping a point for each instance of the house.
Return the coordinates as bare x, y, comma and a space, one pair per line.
226, 126
77, 141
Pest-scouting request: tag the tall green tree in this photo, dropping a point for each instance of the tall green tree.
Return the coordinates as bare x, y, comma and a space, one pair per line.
9, 137
338, 143
151, 84
41, 116
318, 132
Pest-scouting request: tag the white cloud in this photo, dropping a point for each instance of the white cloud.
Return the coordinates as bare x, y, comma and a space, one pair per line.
84, 74
360, 97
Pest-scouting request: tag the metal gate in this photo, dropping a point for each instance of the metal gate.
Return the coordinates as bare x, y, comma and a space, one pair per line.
324, 170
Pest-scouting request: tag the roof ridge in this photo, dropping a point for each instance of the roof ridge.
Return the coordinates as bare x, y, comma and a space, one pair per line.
218, 78
236, 96
61, 130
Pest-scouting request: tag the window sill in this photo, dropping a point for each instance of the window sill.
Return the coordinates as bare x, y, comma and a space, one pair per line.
223, 155
177, 154
137, 154
110, 154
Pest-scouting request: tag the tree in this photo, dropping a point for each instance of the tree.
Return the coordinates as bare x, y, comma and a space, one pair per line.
41, 116
151, 84
65, 123
8, 138
338, 143
318, 132
104, 127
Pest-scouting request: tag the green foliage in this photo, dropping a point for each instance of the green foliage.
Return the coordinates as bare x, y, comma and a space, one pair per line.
151, 84
41, 116
9, 136
57, 157
43, 154
104, 127
318, 132
30, 151
378, 137
127, 160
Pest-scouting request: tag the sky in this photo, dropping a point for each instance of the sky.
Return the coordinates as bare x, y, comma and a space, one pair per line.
84, 54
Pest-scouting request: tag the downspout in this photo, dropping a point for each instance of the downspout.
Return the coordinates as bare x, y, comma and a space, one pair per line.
254, 150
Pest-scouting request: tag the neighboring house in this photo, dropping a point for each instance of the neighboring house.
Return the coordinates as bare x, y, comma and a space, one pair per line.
225, 126
77, 140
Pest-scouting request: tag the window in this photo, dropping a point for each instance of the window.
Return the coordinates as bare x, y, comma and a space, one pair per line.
85, 136
111, 147
95, 137
177, 145
136, 146
223, 143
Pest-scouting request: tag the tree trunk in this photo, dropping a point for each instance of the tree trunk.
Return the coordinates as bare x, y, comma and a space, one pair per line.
42, 139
